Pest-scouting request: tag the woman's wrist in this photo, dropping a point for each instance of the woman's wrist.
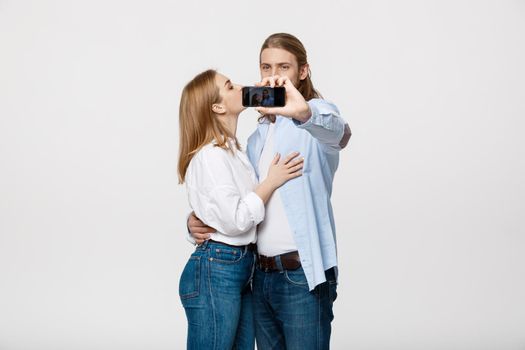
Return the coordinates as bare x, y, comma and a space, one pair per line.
269, 184
265, 190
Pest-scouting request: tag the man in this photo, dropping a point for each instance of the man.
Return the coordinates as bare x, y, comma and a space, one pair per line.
295, 278
267, 99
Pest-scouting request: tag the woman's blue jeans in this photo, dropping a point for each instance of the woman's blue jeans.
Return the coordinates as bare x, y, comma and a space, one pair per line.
215, 290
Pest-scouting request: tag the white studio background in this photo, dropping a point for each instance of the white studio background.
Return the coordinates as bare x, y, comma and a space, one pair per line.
428, 197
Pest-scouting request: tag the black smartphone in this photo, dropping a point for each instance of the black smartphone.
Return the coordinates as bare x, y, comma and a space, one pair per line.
264, 96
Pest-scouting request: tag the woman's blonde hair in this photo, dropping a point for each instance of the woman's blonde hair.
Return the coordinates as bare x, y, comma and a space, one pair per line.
198, 124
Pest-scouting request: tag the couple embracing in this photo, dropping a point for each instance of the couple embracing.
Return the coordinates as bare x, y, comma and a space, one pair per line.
265, 261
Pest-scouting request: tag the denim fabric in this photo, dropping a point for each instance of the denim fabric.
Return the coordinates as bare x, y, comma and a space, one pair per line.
215, 291
288, 315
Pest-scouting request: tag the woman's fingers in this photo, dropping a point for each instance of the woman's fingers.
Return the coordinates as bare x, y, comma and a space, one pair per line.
295, 168
294, 175
290, 157
276, 158
295, 162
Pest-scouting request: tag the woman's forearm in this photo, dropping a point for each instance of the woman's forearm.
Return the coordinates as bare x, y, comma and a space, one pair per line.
265, 190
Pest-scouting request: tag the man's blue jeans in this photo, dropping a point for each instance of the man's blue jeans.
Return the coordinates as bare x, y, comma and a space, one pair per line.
216, 294
287, 315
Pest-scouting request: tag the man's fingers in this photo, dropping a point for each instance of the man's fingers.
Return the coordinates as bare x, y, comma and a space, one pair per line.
262, 110
201, 236
194, 222
202, 229
272, 81
263, 82
269, 81
281, 81
270, 110
201, 225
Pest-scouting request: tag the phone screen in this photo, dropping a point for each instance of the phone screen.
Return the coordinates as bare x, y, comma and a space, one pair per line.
264, 96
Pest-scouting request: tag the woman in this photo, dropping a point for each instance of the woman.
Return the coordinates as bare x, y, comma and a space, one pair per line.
224, 193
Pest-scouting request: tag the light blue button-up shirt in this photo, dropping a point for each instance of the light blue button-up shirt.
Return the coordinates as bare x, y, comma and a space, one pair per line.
306, 199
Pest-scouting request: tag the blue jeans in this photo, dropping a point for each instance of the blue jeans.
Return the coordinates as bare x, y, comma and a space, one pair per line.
288, 315
215, 291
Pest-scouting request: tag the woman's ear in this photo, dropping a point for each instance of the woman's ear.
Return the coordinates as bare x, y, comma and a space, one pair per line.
303, 71
218, 108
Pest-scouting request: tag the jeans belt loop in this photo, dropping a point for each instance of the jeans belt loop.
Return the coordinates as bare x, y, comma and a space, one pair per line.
278, 263
203, 245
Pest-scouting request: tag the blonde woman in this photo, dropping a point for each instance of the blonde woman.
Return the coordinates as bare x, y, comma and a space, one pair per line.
224, 193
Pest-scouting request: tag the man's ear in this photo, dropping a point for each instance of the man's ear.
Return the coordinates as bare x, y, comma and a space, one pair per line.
303, 71
218, 108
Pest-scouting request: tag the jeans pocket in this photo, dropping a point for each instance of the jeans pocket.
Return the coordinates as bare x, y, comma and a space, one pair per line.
226, 254
296, 277
190, 279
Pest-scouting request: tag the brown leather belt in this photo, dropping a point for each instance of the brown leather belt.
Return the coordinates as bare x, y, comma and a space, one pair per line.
289, 261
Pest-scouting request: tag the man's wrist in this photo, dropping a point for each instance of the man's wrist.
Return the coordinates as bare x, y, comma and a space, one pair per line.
304, 115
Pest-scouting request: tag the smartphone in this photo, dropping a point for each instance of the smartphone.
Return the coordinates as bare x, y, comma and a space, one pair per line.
265, 96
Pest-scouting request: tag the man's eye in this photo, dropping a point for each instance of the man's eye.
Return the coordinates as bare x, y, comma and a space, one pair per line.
231, 87
285, 67
266, 67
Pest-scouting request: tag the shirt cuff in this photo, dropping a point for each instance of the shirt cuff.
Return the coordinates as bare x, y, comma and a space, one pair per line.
310, 121
255, 206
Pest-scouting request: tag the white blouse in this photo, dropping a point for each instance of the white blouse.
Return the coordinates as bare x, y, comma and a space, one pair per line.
220, 191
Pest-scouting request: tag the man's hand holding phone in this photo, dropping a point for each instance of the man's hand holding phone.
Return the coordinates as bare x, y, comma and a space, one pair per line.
296, 106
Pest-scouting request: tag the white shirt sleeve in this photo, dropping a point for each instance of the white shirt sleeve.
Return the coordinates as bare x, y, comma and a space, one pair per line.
216, 198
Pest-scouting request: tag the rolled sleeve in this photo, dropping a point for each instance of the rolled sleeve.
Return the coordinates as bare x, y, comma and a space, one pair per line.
255, 207
325, 124
224, 209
